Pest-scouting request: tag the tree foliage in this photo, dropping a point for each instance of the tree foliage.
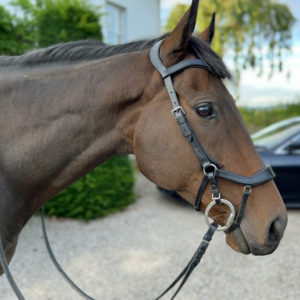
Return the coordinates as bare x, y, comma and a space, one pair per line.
71, 20
252, 31
258, 118
15, 35
40, 23
106, 189
61, 20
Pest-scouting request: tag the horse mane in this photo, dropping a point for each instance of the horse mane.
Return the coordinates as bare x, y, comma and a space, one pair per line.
87, 50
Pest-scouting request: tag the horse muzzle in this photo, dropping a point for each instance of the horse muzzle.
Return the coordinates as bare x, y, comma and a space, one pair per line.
242, 240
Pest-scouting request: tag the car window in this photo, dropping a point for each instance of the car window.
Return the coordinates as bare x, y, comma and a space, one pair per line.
296, 140
271, 137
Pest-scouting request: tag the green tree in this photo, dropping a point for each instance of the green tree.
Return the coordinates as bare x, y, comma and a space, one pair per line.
254, 31
15, 35
258, 118
108, 188
58, 21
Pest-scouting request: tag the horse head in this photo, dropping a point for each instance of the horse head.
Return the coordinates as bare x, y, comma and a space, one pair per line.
166, 157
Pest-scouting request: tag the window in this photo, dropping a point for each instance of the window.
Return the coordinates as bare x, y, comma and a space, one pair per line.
296, 145
115, 24
276, 134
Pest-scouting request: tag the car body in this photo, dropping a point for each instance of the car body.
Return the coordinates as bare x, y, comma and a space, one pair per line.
279, 147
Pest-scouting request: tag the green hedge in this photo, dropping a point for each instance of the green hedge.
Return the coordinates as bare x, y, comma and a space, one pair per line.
258, 118
41, 23
66, 20
106, 189
15, 34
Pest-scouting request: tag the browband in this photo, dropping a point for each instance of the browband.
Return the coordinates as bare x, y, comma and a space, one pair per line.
182, 65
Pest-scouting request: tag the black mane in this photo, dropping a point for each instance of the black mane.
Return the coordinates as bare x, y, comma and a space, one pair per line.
87, 50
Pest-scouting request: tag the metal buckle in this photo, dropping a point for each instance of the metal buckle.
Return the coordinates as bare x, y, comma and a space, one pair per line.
216, 198
247, 189
177, 109
214, 167
230, 218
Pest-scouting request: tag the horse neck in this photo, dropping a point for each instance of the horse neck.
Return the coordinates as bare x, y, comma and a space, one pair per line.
86, 115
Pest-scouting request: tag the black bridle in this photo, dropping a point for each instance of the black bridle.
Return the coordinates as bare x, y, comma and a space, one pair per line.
211, 172
210, 168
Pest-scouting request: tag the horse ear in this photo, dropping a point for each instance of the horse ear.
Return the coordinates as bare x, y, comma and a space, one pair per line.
208, 34
175, 44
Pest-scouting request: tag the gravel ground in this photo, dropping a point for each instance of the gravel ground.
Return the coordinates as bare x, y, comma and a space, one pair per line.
137, 253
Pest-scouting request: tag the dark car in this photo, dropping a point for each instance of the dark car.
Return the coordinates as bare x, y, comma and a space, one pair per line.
279, 147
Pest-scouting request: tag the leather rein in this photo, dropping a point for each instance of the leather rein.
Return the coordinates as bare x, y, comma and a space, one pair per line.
211, 172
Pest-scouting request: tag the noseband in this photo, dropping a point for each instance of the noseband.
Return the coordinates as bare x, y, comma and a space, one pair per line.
211, 172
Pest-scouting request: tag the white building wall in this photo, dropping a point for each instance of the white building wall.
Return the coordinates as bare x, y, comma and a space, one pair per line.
142, 18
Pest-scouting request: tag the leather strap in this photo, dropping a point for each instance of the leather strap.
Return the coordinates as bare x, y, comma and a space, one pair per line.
186, 130
56, 263
264, 175
238, 219
10, 278
200, 192
195, 260
182, 65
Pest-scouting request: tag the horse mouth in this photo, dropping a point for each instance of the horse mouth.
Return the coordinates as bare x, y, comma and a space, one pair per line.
246, 245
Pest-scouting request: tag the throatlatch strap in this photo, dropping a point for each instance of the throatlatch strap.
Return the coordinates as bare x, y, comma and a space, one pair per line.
187, 271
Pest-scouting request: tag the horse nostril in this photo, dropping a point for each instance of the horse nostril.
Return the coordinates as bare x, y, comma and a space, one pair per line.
276, 230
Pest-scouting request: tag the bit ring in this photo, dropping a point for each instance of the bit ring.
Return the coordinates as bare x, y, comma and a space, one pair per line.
230, 218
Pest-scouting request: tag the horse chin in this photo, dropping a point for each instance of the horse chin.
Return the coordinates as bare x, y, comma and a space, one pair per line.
237, 241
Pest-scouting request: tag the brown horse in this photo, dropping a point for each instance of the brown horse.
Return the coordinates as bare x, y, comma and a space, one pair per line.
67, 108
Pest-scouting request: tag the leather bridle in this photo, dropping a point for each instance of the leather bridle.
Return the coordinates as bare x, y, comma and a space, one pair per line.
210, 169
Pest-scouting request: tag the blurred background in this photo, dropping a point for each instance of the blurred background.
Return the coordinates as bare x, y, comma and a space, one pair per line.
144, 245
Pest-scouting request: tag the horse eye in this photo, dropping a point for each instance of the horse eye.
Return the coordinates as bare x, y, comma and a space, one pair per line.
205, 110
